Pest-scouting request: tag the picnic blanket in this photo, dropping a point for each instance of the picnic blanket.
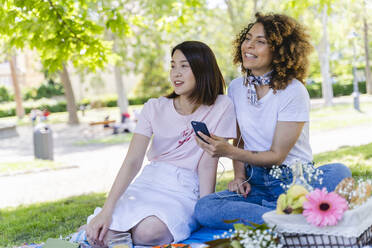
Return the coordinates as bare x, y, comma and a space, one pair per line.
196, 240
202, 235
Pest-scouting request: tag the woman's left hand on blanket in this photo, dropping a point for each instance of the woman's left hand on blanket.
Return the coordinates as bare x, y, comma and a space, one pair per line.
97, 228
217, 147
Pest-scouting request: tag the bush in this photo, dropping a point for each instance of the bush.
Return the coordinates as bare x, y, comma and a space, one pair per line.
315, 90
339, 89
111, 101
347, 89
46, 90
138, 100
53, 106
7, 112
8, 109
5, 95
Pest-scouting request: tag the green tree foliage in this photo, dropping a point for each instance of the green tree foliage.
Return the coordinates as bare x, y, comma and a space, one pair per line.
143, 32
155, 80
5, 95
166, 24
60, 31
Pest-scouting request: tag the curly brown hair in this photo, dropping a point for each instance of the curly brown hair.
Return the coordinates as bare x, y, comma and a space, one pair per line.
290, 47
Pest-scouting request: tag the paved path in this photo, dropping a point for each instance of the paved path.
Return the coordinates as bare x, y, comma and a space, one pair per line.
94, 166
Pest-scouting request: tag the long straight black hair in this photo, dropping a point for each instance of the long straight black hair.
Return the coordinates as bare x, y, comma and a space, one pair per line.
209, 81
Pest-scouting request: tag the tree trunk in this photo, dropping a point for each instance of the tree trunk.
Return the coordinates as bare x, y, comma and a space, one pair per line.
254, 6
69, 94
20, 112
323, 53
120, 89
368, 68
235, 10
230, 11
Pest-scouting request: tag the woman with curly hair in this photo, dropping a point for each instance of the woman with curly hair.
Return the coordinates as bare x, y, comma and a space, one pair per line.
272, 108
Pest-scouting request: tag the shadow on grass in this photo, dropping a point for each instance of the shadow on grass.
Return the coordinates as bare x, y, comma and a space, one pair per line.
38, 222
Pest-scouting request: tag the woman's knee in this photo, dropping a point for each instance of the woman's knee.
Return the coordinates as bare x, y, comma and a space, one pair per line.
204, 208
333, 174
151, 231
109, 236
337, 170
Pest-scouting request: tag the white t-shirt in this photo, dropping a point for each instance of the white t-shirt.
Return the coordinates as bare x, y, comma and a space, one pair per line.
257, 122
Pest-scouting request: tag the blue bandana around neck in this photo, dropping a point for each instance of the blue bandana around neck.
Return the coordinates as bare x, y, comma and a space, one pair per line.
250, 81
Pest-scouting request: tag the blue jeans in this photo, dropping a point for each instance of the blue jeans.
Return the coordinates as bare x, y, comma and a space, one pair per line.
212, 209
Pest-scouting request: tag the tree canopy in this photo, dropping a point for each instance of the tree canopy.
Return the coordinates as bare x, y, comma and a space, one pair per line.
137, 36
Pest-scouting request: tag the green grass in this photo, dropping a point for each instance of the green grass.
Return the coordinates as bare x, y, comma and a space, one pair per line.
223, 179
37, 222
108, 140
357, 158
24, 166
340, 116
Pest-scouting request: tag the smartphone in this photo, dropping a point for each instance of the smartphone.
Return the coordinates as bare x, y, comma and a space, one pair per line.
200, 126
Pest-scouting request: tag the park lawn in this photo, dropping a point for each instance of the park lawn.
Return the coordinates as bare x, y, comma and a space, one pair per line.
28, 166
340, 116
357, 158
107, 140
37, 222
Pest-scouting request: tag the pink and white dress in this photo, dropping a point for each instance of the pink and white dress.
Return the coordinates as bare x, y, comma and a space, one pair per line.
168, 187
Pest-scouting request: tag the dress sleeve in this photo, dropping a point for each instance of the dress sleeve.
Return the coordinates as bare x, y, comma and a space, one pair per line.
144, 125
295, 104
226, 126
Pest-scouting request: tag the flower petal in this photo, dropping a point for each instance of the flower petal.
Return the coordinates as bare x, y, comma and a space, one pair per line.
324, 217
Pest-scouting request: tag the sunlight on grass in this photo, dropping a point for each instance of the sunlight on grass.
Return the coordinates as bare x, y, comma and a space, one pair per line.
112, 139
38, 222
12, 167
357, 158
223, 180
340, 116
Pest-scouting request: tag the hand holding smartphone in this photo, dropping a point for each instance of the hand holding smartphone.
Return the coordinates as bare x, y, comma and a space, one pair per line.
200, 126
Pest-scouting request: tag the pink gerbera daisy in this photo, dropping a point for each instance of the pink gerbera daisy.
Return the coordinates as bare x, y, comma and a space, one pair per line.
323, 208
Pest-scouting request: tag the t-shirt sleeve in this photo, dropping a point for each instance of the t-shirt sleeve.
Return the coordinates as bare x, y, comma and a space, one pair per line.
230, 90
295, 104
144, 125
226, 126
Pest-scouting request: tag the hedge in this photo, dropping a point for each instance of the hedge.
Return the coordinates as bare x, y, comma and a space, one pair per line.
315, 89
45, 90
5, 96
8, 109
